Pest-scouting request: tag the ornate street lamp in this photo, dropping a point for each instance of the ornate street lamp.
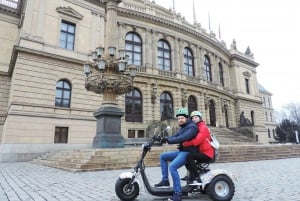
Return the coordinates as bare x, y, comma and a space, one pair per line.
110, 76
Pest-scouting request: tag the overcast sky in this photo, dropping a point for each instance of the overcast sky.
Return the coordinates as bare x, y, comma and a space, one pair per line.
271, 28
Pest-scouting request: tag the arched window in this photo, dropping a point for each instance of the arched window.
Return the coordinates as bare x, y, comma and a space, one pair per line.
166, 106
164, 55
133, 46
192, 104
133, 106
63, 94
221, 73
207, 69
188, 62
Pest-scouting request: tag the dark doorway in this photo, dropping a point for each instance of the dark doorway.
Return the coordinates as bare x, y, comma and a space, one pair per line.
212, 113
226, 115
252, 118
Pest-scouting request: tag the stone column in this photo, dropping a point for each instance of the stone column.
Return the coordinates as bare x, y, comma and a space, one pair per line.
154, 49
197, 61
180, 58
148, 49
201, 60
175, 55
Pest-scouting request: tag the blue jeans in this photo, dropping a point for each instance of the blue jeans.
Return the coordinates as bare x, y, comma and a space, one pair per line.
177, 159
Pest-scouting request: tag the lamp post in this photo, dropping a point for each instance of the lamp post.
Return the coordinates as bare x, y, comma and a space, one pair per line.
110, 76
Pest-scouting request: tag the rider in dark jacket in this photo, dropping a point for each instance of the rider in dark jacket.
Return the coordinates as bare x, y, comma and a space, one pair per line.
188, 130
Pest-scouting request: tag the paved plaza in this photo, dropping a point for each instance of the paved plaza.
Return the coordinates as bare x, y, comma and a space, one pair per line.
268, 180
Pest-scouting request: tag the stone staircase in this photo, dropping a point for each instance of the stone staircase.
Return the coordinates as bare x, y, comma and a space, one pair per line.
119, 158
230, 137
234, 147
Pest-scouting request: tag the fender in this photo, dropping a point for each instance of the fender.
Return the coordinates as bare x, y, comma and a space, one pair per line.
207, 177
129, 175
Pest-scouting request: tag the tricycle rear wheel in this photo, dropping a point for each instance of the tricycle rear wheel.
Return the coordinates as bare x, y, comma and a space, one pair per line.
221, 188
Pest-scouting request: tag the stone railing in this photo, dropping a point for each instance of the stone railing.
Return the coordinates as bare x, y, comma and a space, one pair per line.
10, 3
167, 73
11, 6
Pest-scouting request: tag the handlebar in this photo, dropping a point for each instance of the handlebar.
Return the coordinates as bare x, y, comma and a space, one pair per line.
155, 138
158, 137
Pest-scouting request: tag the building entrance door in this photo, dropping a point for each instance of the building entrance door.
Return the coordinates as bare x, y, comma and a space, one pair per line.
212, 113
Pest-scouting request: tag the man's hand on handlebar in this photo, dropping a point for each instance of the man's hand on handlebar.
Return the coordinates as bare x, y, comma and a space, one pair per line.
164, 140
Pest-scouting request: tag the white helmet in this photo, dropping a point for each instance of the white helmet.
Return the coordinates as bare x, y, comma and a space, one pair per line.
196, 113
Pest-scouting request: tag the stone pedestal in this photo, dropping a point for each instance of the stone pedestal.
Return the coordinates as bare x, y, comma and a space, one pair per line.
108, 128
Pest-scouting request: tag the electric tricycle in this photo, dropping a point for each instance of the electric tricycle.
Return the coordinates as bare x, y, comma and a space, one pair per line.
217, 184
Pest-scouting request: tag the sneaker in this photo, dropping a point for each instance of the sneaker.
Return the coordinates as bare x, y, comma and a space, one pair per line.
175, 197
162, 184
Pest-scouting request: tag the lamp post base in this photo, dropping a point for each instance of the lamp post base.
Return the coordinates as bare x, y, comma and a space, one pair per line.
108, 127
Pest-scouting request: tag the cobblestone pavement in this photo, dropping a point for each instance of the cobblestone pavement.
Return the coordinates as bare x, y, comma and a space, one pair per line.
257, 181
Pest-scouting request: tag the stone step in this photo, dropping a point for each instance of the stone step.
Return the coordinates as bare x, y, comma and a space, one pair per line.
108, 159
230, 137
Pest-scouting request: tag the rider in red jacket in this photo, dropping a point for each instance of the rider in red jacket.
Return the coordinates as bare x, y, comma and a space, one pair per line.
202, 141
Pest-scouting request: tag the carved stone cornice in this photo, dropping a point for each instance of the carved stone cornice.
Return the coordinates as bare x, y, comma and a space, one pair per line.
247, 74
183, 28
69, 12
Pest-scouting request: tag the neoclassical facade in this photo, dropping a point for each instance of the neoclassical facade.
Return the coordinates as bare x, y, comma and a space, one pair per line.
44, 44
268, 112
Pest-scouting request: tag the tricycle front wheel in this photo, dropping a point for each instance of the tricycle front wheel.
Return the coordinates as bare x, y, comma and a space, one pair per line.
126, 191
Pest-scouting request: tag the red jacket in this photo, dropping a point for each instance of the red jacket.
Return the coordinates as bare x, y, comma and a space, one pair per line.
202, 140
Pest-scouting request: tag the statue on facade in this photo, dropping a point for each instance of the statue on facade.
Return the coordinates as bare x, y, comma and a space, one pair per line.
233, 44
248, 51
244, 121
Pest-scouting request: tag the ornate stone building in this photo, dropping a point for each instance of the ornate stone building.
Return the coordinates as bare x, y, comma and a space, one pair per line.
44, 44
269, 114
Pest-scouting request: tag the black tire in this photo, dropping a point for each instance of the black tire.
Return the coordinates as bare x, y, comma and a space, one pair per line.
221, 188
125, 193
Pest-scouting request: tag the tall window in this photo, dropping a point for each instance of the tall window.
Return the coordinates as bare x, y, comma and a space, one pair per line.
247, 86
63, 94
61, 135
166, 106
207, 69
67, 35
164, 55
221, 73
192, 104
271, 117
133, 106
188, 62
133, 45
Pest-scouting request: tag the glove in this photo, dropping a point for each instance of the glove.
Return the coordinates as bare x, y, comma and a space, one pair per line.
164, 140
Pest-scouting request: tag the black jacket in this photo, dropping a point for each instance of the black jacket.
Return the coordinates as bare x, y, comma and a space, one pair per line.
186, 132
